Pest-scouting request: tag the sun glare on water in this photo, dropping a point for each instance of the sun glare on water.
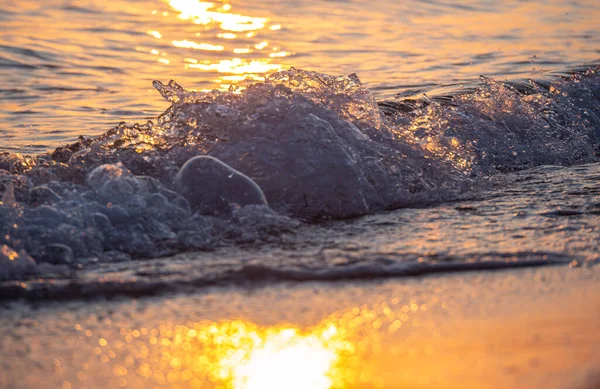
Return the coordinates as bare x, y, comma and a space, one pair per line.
286, 359
201, 12
340, 352
238, 44
240, 355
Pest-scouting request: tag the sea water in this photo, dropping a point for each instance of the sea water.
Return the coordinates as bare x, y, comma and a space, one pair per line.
389, 119
71, 68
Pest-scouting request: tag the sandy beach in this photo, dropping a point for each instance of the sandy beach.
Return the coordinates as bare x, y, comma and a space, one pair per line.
527, 328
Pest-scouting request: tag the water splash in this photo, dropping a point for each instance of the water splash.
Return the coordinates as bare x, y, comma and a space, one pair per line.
317, 146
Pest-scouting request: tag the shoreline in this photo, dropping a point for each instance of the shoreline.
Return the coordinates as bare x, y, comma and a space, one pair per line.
524, 328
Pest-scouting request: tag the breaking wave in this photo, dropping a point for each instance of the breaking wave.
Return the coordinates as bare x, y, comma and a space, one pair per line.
238, 167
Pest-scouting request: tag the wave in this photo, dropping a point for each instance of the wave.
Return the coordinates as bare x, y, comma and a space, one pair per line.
299, 146
178, 277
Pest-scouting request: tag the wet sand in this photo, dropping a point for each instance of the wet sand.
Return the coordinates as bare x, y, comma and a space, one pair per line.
527, 328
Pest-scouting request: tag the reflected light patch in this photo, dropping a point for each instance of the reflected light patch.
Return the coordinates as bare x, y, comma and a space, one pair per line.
279, 54
197, 46
242, 355
7, 252
204, 13
234, 78
238, 66
261, 45
227, 35
155, 34
286, 360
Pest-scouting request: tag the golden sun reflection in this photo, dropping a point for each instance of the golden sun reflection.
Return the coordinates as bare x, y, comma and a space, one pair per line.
201, 12
423, 341
226, 35
237, 66
288, 359
197, 46
239, 355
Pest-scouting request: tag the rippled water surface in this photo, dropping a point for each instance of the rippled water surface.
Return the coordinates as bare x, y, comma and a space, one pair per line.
70, 68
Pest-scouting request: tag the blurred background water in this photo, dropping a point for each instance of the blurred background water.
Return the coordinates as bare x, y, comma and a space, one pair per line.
78, 67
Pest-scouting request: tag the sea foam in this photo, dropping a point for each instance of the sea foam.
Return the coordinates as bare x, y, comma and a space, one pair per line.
299, 146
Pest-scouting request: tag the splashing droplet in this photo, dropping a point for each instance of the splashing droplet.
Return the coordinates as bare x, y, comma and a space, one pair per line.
171, 92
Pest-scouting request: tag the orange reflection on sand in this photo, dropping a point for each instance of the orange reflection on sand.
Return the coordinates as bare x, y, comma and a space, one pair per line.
336, 353
240, 355
287, 358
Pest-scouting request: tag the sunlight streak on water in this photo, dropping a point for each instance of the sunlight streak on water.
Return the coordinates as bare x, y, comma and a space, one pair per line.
201, 12
197, 46
239, 355
462, 331
288, 359
235, 70
79, 67
238, 66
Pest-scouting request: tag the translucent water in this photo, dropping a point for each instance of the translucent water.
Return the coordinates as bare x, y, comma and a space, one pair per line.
78, 67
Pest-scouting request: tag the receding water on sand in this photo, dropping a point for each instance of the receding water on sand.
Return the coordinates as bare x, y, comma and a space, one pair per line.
530, 328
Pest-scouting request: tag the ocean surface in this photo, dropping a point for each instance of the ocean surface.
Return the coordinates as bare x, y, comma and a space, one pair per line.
281, 180
301, 141
79, 67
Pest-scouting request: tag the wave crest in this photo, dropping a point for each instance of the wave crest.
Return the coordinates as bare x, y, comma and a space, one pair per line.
317, 146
